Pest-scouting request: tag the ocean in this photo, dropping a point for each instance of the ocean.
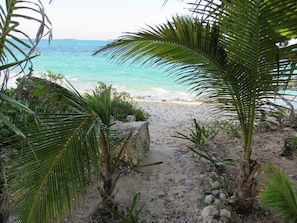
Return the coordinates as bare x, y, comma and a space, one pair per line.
73, 59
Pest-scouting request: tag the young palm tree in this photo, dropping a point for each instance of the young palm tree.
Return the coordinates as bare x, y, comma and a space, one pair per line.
60, 156
232, 51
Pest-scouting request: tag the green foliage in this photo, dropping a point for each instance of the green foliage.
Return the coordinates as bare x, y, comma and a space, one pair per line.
230, 51
111, 147
264, 126
42, 96
135, 167
293, 142
122, 105
17, 50
55, 162
16, 47
234, 52
217, 163
230, 127
52, 76
133, 214
279, 195
200, 135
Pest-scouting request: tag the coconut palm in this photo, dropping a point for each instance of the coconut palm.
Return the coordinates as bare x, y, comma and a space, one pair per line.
58, 159
231, 51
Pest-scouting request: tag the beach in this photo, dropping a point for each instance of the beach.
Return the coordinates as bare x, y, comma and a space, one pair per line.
175, 190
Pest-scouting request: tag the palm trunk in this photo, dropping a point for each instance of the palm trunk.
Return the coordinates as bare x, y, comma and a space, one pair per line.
245, 192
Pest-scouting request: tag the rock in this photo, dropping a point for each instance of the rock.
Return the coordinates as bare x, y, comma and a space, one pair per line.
131, 118
222, 196
217, 203
215, 192
209, 213
290, 145
209, 199
215, 185
138, 143
225, 213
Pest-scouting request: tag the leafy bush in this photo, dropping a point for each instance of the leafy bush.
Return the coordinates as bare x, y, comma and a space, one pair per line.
122, 105
41, 95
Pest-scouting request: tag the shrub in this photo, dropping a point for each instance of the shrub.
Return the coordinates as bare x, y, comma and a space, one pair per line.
122, 105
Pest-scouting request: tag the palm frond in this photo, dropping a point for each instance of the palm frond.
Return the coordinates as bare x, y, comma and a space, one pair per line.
15, 44
13, 102
59, 154
229, 50
257, 65
100, 104
279, 195
188, 49
58, 157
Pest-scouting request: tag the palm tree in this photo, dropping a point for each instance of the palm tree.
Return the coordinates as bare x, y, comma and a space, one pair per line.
59, 157
231, 51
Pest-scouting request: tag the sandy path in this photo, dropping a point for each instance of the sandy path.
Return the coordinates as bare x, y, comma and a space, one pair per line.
175, 188
172, 187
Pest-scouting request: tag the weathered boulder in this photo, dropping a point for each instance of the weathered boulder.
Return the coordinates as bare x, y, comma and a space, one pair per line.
139, 141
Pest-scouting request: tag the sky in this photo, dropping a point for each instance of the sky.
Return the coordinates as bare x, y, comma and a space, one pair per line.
107, 19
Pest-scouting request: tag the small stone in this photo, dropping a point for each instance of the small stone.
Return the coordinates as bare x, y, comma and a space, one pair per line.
222, 196
213, 175
161, 195
217, 203
131, 118
225, 213
200, 203
215, 192
209, 213
215, 185
209, 199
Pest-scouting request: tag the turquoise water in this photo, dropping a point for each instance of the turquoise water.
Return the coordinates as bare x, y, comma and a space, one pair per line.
73, 59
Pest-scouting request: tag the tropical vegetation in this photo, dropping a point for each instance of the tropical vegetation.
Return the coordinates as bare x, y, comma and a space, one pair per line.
49, 143
235, 52
279, 194
17, 49
68, 141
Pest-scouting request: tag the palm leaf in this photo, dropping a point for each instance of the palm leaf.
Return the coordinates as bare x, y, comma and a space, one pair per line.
58, 157
230, 51
187, 49
100, 104
5, 119
16, 45
279, 195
